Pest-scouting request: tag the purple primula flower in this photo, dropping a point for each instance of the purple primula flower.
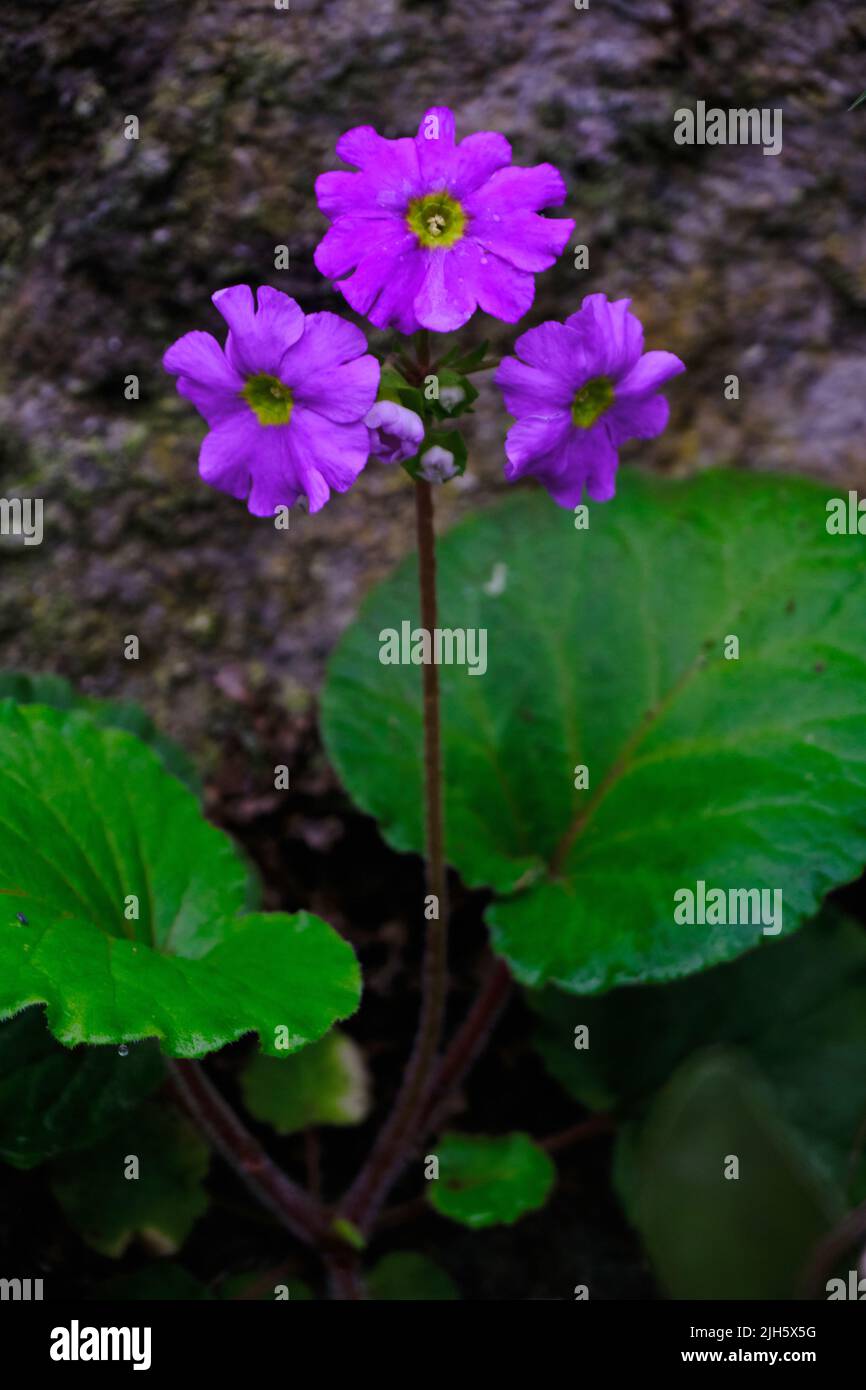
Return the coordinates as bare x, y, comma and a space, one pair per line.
582, 389
285, 400
429, 230
395, 431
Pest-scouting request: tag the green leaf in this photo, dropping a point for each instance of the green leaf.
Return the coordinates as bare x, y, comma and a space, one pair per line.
405, 1276
708, 1235
469, 361
325, 1084
412, 398
161, 1204
391, 383
605, 648
489, 1181
55, 691
797, 1007
54, 1100
92, 820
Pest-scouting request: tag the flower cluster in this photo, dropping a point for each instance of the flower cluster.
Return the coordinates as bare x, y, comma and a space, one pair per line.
424, 231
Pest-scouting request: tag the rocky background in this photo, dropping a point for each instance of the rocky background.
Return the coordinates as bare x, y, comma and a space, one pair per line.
111, 247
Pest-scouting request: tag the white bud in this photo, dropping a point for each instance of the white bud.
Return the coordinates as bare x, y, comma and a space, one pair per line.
437, 465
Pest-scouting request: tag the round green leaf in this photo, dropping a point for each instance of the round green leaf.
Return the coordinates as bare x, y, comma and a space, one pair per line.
109, 1200
53, 1099
606, 649
92, 822
489, 1181
42, 689
405, 1276
325, 1084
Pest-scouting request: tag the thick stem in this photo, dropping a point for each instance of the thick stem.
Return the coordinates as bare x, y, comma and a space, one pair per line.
292, 1207
391, 1148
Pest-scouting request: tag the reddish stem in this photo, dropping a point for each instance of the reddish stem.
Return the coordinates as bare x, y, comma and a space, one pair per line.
393, 1144
293, 1208
590, 1128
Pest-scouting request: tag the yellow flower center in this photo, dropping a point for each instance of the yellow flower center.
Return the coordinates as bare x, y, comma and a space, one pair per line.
269, 399
437, 219
591, 401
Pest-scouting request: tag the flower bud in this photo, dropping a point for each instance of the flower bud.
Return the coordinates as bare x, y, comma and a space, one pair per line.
437, 465
395, 431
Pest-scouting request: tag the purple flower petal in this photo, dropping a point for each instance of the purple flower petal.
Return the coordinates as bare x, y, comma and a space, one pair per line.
612, 335
478, 156
205, 376
531, 390
637, 418
324, 455
503, 290
448, 293
384, 287
344, 393
329, 369
524, 239
588, 463
214, 405
434, 144
649, 373
536, 442
557, 358
352, 239
200, 357
274, 478
341, 194
228, 453
257, 340
390, 175
518, 190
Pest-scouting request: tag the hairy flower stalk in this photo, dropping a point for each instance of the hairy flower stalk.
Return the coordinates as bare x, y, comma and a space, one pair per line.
366, 1195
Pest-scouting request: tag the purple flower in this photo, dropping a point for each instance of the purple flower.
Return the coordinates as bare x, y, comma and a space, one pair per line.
395, 431
285, 400
582, 389
429, 230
